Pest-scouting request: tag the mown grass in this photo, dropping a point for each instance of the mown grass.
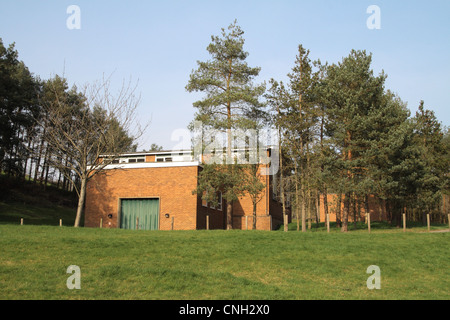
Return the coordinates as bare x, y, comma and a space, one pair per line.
194, 265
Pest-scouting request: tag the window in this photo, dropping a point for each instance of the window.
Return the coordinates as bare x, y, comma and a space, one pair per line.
219, 202
163, 158
204, 202
129, 160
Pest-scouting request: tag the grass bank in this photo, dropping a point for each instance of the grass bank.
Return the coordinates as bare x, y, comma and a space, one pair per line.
125, 264
34, 203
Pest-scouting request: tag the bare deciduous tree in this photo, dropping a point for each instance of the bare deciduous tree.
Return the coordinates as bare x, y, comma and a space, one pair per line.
88, 130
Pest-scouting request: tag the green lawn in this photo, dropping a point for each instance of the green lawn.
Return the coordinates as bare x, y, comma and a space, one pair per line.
124, 264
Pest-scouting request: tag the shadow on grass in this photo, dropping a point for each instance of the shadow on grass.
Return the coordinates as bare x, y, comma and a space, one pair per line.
36, 204
13, 212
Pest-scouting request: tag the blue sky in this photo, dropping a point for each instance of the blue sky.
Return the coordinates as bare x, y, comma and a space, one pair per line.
157, 43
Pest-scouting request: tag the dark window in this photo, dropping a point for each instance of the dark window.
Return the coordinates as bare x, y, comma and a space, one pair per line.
115, 161
141, 160
131, 160
168, 159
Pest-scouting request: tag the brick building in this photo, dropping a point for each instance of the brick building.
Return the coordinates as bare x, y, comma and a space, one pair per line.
377, 209
153, 191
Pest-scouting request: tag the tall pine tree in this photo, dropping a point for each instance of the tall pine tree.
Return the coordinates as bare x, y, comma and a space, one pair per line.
231, 100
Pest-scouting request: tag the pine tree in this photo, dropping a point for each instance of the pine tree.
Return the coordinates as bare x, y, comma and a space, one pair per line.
231, 100
429, 138
302, 118
294, 111
390, 157
18, 104
351, 93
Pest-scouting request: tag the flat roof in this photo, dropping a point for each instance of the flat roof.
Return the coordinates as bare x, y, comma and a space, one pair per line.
146, 153
138, 165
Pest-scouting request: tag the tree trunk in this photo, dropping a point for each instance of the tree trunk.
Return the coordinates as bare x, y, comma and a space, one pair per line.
283, 202
338, 210
349, 177
81, 202
325, 204
229, 215
38, 161
44, 166
297, 198
366, 206
309, 209
27, 158
303, 210
317, 207
254, 215
344, 227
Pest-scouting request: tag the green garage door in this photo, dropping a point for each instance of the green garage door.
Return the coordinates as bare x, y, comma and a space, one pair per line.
142, 211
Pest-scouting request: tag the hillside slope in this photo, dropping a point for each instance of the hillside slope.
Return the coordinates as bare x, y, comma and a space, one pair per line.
36, 204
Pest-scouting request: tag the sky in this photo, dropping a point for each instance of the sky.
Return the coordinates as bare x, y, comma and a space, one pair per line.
156, 45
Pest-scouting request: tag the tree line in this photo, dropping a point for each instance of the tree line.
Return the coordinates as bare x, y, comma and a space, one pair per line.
53, 134
340, 131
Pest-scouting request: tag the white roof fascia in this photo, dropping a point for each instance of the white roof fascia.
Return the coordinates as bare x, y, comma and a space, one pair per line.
139, 165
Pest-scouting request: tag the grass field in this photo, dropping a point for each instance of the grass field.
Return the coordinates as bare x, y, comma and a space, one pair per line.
194, 265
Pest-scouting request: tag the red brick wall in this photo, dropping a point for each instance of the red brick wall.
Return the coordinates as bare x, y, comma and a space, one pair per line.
263, 222
172, 185
376, 207
216, 217
269, 213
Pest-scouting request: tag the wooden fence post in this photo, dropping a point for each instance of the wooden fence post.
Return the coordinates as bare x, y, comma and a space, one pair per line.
101, 223
404, 222
60, 222
368, 221
207, 222
428, 221
21, 221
